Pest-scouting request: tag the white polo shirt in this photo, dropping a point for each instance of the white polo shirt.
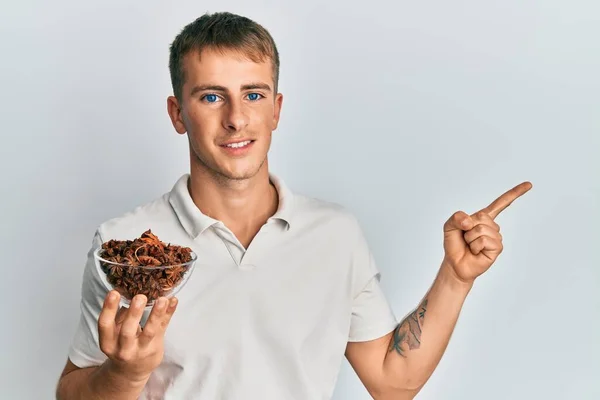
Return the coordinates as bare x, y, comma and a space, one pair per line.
268, 322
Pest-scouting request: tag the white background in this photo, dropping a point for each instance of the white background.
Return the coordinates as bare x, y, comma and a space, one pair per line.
402, 111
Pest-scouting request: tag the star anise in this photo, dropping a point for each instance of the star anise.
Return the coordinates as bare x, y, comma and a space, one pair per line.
139, 259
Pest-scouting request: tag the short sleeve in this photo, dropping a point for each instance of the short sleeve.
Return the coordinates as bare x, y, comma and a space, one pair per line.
372, 316
85, 350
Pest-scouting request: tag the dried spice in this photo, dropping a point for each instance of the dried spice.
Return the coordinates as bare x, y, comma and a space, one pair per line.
145, 265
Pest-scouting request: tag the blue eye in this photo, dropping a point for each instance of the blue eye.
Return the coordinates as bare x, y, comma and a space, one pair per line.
211, 98
254, 96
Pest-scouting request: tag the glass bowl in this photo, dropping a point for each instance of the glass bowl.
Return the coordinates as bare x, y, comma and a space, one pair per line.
149, 280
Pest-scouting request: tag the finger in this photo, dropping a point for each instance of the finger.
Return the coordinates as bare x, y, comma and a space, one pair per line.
106, 322
458, 221
129, 329
485, 243
121, 314
163, 323
171, 310
481, 217
502, 202
169, 314
481, 230
153, 325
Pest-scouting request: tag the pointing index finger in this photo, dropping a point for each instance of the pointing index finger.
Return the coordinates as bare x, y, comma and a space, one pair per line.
502, 202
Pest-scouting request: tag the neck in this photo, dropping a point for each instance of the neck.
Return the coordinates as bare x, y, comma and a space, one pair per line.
242, 205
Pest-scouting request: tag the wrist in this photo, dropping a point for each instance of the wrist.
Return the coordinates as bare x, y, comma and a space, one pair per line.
120, 378
449, 277
119, 371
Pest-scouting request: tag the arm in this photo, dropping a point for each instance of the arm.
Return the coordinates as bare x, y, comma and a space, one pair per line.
116, 354
399, 364
96, 383
133, 353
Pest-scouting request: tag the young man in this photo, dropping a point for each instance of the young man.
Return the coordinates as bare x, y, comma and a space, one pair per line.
285, 285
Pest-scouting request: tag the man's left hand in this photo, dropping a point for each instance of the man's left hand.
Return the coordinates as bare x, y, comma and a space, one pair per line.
473, 242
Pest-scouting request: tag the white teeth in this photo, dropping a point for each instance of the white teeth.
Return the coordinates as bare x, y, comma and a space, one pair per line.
238, 145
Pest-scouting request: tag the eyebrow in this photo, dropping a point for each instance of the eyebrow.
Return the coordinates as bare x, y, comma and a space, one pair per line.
219, 88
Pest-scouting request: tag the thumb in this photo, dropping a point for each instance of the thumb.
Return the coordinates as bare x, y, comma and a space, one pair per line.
459, 221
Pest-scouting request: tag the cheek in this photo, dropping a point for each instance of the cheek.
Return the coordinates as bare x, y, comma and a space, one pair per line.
195, 118
200, 124
264, 117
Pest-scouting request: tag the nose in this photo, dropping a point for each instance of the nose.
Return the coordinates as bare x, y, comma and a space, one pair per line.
235, 119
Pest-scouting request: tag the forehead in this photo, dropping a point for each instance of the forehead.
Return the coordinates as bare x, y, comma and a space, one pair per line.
224, 67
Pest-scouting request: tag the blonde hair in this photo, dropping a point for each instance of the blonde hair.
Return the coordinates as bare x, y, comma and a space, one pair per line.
222, 31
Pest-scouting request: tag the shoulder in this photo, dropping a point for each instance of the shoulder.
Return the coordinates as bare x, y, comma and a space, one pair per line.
137, 220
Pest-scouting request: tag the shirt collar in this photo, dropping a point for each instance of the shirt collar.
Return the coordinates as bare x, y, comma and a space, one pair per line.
286, 199
195, 222
191, 218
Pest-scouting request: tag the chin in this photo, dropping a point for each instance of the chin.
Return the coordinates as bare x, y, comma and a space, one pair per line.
240, 174
238, 170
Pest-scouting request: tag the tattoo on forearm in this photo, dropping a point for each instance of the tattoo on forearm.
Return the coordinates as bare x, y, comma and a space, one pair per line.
407, 335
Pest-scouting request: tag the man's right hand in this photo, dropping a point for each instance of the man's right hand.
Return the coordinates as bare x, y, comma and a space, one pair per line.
133, 352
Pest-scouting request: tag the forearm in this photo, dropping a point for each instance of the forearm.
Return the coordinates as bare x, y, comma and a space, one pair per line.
98, 383
420, 340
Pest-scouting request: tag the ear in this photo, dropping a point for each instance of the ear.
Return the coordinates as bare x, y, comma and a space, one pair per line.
176, 114
277, 110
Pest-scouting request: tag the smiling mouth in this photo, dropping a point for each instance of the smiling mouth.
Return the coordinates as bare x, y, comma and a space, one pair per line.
238, 145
